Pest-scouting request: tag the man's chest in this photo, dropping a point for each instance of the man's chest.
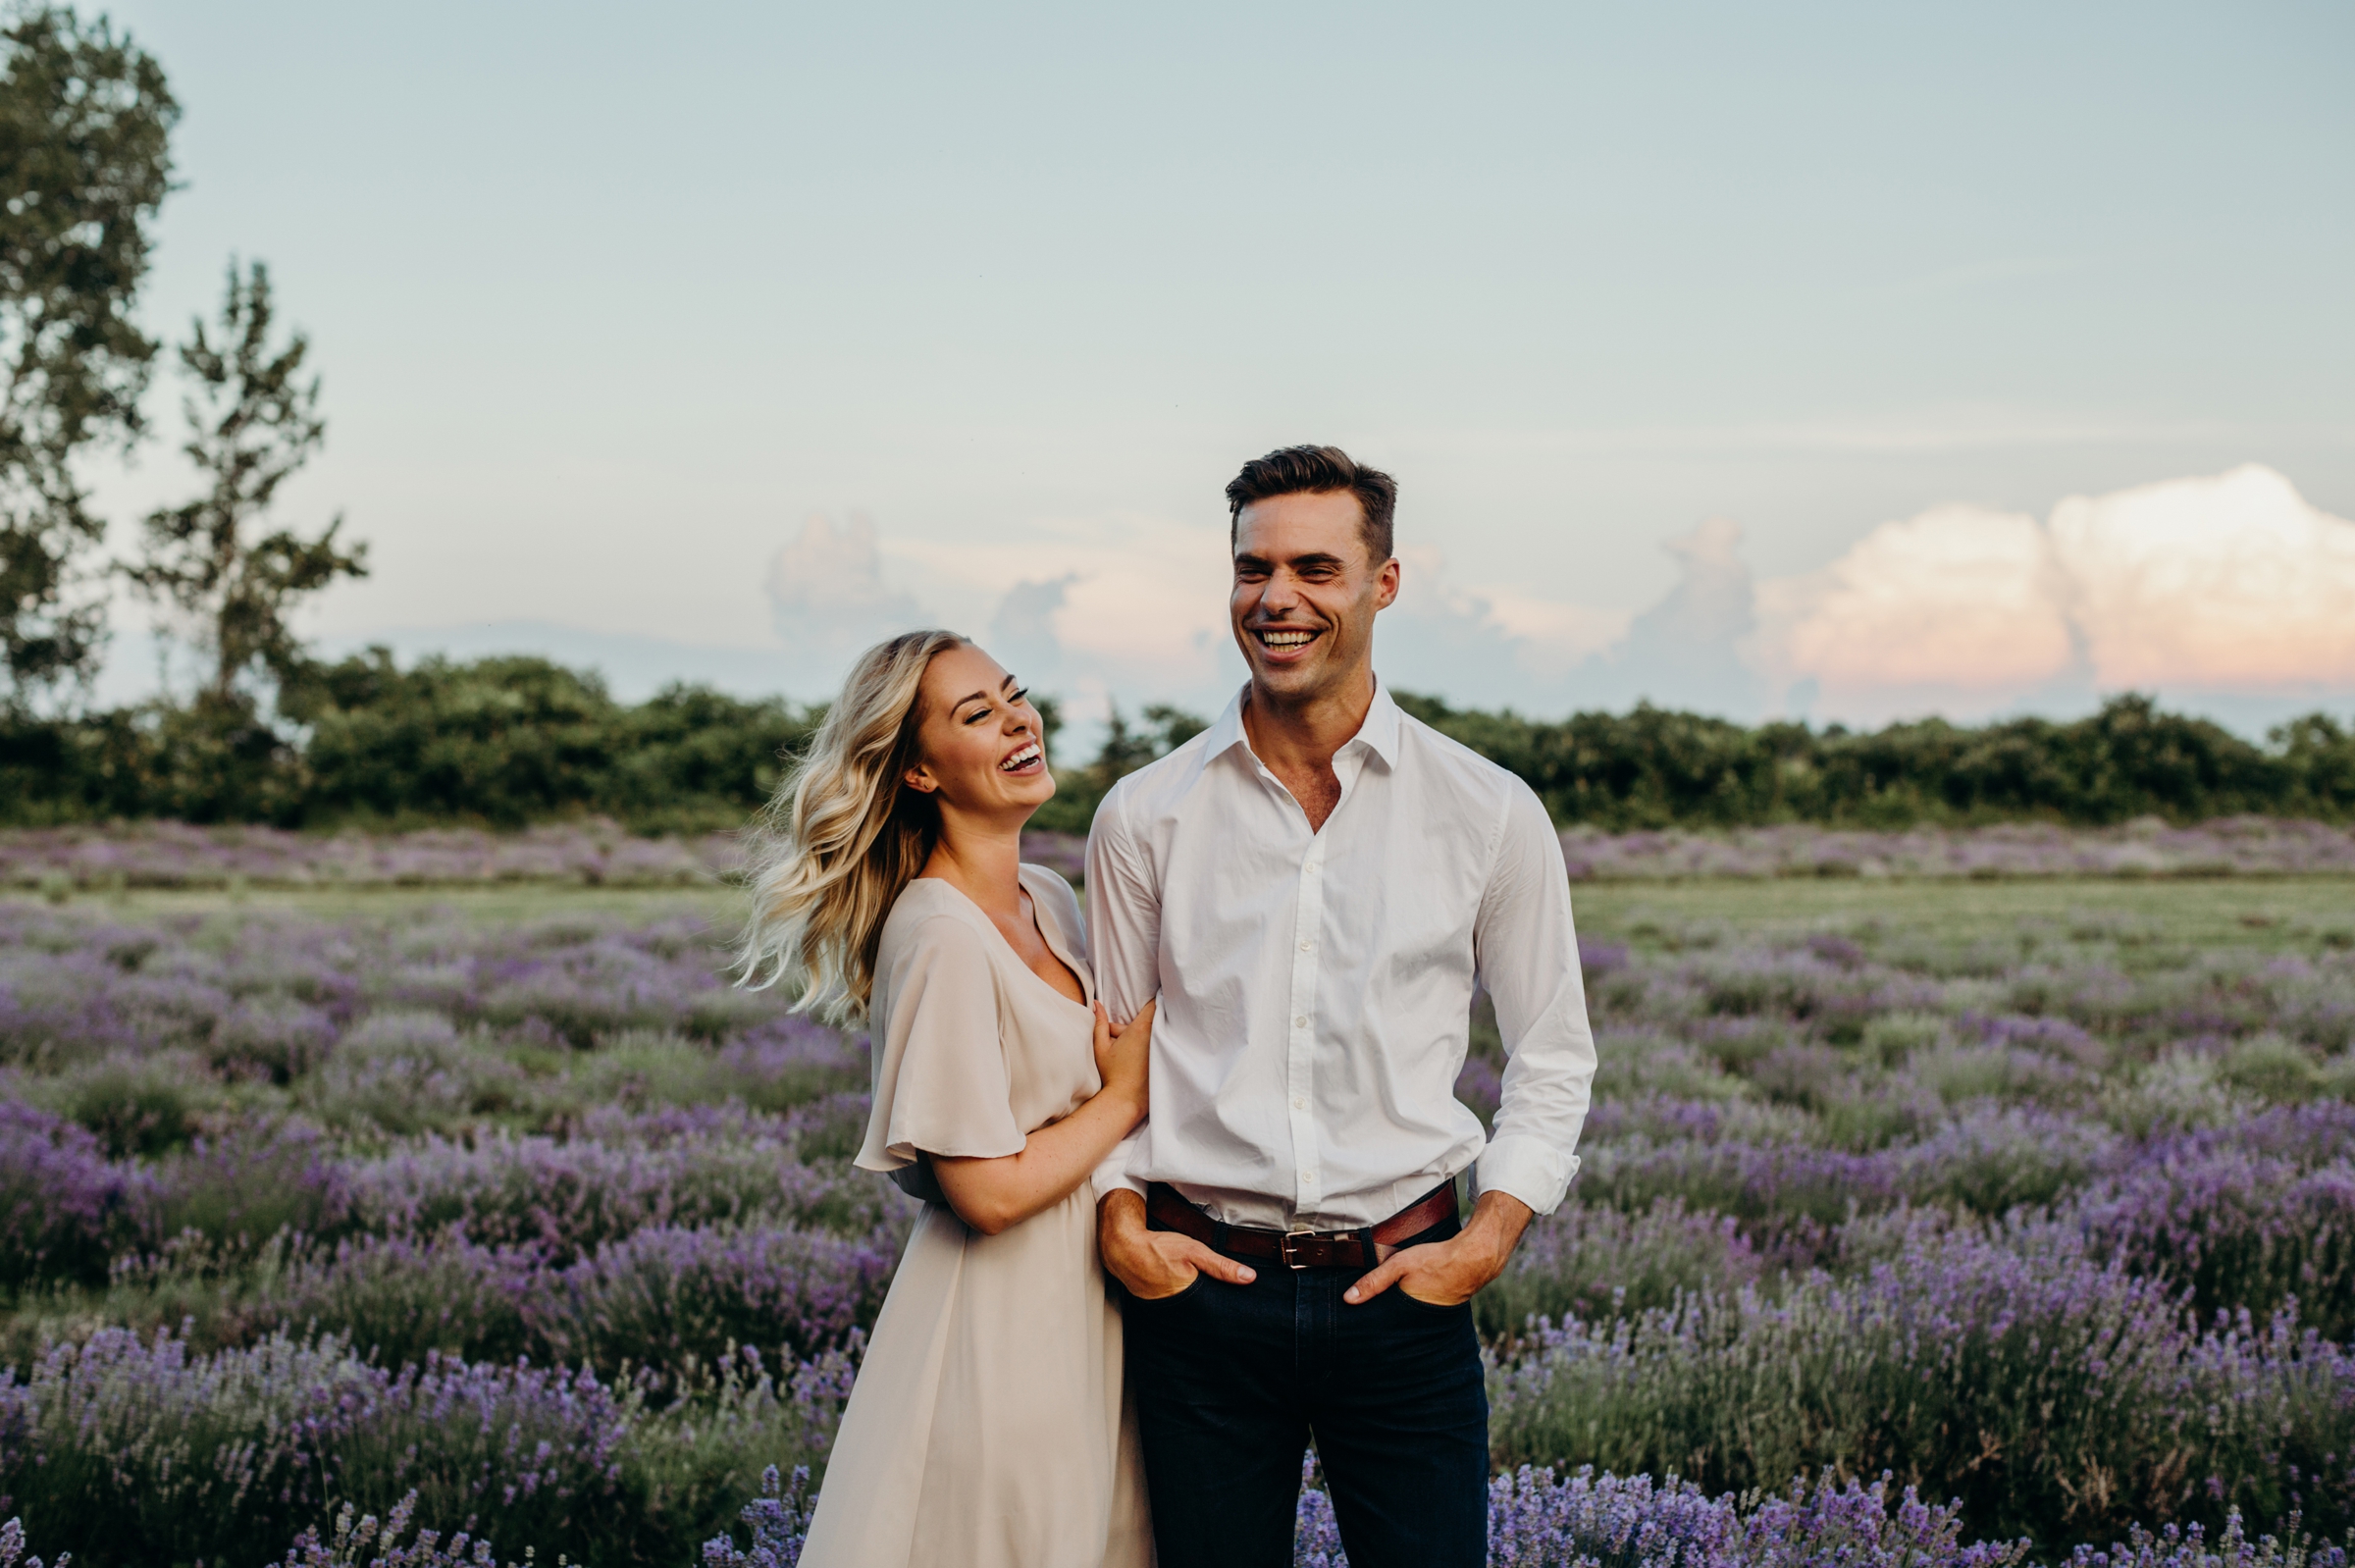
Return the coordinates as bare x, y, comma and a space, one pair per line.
1246, 888
1315, 792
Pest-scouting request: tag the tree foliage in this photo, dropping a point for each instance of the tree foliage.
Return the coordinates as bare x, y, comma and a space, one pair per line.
1658, 769
85, 122
1079, 791
515, 739
253, 422
504, 741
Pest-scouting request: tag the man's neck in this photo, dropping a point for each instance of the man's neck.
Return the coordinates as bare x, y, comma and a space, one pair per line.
1307, 732
1296, 741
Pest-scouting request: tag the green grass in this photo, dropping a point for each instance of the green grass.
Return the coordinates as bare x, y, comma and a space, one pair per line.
2285, 914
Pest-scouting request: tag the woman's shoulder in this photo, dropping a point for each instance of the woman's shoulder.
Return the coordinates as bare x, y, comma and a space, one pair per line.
1049, 889
930, 914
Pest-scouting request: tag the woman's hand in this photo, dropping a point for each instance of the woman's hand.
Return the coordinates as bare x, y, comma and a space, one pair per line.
991, 1195
1122, 1054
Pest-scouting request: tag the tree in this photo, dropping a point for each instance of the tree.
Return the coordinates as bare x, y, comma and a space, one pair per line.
253, 422
86, 125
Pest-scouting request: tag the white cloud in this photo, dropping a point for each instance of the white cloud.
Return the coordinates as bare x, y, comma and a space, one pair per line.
2210, 585
1555, 637
831, 602
1958, 597
1095, 609
2230, 583
2234, 582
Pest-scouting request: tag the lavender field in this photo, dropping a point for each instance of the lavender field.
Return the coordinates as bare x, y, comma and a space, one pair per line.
61, 862
490, 1208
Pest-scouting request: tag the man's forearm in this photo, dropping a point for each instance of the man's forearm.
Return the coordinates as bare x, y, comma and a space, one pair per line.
1497, 1223
1118, 1212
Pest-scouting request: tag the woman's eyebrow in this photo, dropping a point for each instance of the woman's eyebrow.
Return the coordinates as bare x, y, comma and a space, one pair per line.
972, 697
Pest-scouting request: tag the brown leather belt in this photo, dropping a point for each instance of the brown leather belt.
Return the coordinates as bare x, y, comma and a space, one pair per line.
1361, 1248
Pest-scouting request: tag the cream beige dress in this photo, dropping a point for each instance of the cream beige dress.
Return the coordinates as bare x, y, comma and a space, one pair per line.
987, 1428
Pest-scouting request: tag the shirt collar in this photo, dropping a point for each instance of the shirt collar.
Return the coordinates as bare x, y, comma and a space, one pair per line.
1379, 732
1227, 732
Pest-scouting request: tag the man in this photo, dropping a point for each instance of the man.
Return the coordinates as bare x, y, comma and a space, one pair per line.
1313, 887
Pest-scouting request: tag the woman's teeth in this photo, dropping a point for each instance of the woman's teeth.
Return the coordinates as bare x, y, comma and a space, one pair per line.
1022, 759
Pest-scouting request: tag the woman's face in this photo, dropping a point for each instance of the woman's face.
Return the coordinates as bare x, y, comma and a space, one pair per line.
983, 748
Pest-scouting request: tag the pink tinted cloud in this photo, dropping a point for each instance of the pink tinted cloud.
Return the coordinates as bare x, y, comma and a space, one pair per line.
2232, 582
2226, 582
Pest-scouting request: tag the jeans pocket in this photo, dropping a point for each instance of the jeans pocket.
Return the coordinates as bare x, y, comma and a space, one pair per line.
1174, 1297
1421, 1305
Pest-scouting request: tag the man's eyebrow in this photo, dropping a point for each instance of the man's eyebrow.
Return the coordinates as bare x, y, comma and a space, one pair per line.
1314, 559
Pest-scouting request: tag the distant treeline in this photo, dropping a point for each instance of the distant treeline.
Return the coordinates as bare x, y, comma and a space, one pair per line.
502, 740
510, 741
1656, 768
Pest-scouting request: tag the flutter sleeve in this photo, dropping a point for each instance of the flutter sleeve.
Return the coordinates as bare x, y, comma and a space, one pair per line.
941, 1084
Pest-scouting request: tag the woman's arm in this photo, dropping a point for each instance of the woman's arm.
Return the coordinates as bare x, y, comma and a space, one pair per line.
992, 1195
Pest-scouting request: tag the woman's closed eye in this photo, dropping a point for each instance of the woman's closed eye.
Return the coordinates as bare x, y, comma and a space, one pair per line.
1012, 698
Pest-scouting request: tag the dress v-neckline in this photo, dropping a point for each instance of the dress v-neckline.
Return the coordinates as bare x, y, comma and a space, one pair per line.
1087, 992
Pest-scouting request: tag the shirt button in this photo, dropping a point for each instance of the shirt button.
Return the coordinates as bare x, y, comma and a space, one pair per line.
1300, 1023
1308, 947
1308, 1176
1299, 1102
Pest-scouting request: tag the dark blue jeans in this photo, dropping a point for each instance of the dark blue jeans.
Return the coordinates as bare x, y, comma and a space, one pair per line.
1233, 1382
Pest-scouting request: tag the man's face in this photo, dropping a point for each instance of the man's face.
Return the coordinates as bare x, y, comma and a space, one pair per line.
1305, 595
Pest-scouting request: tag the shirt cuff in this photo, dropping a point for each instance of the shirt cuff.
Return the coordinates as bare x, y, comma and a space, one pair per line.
1112, 1172
1525, 1167
1123, 1181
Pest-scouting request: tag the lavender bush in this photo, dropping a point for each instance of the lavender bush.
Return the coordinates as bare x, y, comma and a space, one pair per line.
2055, 1396
2247, 846
60, 861
366, 1542
2048, 1214
140, 1450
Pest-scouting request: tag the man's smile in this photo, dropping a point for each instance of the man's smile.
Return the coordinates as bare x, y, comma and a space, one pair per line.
1286, 639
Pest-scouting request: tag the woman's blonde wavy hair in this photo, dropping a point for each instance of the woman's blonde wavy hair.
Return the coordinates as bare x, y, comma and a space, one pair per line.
844, 836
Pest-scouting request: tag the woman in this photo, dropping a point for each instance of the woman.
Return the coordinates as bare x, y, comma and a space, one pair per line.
987, 1425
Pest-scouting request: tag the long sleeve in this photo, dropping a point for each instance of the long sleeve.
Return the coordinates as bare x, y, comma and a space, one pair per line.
1124, 933
1527, 951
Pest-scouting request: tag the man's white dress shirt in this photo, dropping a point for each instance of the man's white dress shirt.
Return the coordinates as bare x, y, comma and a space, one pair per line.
1315, 988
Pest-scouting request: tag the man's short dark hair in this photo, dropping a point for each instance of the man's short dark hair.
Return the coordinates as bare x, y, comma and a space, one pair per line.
1316, 471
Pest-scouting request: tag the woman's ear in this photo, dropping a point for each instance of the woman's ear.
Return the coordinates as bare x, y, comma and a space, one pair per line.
919, 779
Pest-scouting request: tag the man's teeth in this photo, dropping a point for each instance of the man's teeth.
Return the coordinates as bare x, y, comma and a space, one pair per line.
1022, 759
1286, 639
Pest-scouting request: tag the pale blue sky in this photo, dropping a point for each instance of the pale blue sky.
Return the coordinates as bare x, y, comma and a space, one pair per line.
608, 299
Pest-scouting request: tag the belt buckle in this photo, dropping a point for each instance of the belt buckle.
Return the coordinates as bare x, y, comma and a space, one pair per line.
1283, 1246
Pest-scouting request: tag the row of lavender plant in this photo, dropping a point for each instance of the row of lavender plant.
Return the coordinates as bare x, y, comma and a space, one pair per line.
1537, 1519
64, 860
566, 1140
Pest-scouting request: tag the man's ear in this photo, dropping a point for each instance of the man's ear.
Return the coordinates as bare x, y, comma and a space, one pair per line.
1386, 585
